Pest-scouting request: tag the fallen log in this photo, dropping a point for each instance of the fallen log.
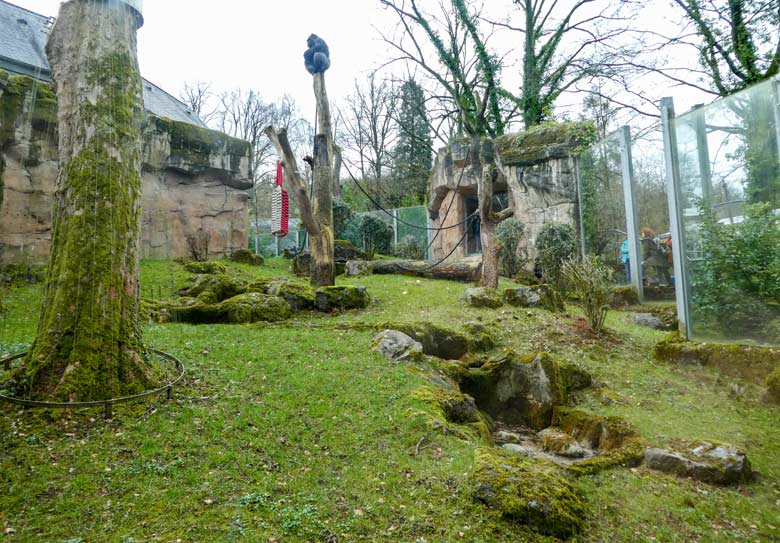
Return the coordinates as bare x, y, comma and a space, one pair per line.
455, 270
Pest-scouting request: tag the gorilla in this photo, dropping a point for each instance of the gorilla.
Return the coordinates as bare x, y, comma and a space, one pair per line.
317, 56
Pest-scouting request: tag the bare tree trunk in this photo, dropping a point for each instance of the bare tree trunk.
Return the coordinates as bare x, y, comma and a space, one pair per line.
88, 345
490, 170
337, 162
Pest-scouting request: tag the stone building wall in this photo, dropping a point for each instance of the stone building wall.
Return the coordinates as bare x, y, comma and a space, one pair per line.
193, 180
540, 170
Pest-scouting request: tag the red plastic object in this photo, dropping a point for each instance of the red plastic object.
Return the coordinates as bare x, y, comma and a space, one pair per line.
280, 206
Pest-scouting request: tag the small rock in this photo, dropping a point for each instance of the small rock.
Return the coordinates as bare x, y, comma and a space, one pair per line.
507, 437
516, 448
355, 268
558, 442
397, 346
522, 297
703, 461
649, 320
483, 297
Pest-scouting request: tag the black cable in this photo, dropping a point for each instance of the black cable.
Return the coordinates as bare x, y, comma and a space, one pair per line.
380, 208
427, 268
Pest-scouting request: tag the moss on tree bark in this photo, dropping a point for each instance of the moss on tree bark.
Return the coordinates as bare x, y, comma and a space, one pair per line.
88, 345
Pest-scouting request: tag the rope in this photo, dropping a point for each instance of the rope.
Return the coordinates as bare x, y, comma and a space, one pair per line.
432, 266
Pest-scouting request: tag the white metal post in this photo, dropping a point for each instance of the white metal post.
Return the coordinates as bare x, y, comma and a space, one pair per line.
632, 228
395, 227
675, 214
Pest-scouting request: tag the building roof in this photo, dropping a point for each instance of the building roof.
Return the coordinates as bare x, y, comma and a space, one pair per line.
23, 36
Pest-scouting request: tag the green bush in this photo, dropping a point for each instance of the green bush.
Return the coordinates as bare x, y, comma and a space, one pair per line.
510, 233
410, 248
591, 283
342, 215
375, 236
556, 244
736, 286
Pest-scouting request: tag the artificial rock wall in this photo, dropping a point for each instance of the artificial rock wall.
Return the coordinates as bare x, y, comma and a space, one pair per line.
193, 180
540, 170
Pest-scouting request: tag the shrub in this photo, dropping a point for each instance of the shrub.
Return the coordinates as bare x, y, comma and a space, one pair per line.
737, 283
510, 233
410, 248
591, 282
342, 215
556, 243
377, 236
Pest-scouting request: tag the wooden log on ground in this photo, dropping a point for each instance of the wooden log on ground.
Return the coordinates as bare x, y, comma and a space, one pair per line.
455, 270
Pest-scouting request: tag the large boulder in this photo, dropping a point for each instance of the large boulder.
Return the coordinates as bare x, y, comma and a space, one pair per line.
328, 299
702, 461
528, 491
436, 340
483, 297
397, 346
212, 289
522, 297
299, 295
649, 320
205, 268
245, 256
254, 307
523, 389
344, 250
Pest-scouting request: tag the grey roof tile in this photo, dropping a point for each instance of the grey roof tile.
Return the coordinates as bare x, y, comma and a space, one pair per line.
23, 35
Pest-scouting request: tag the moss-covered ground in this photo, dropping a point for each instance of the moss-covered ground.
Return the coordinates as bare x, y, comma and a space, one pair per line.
297, 432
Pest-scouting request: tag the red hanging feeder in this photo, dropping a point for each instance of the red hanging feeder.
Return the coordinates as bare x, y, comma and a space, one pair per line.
280, 206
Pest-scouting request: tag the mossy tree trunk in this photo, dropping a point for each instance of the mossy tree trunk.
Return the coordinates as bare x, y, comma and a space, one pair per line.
88, 345
489, 170
317, 212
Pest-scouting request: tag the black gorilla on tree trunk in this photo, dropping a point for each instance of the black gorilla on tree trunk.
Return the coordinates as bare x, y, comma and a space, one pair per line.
317, 56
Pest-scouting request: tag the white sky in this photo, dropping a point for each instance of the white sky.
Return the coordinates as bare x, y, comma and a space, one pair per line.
259, 44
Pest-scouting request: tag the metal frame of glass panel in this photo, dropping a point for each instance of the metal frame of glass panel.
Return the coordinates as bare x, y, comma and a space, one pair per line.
675, 217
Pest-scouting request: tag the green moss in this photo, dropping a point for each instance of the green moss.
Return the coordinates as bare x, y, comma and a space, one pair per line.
88, 345
245, 256
623, 296
211, 289
255, 307
630, 454
341, 297
529, 492
599, 433
205, 268
773, 387
42, 114
195, 145
299, 295
545, 141
748, 362
480, 338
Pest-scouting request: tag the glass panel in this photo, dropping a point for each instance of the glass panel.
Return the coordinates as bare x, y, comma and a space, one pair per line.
603, 205
417, 216
652, 208
730, 202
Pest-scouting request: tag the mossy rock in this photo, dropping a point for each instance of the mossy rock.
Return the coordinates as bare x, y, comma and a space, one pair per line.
245, 256
212, 289
629, 455
341, 297
623, 296
483, 297
345, 250
457, 407
528, 491
745, 361
255, 307
523, 389
480, 338
773, 387
595, 432
556, 441
550, 299
301, 265
300, 296
205, 268
436, 340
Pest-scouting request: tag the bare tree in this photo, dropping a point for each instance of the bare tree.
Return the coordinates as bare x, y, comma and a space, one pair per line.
369, 131
198, 97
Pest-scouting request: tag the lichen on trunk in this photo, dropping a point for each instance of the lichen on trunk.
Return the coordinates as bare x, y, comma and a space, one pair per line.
88, 345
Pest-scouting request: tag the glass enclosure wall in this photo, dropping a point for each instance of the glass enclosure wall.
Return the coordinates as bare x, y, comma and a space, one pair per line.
652, 209
727, 176
604, 224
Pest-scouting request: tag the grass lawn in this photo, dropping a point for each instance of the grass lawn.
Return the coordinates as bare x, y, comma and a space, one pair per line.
298, 432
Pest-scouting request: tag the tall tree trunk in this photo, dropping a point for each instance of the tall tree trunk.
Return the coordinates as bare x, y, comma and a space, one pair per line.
88, 345
489, 170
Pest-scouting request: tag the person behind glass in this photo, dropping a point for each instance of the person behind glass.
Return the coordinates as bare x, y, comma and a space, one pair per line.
653, 257
626, 260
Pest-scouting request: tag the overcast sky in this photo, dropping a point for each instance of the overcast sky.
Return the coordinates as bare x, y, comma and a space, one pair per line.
258, 44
